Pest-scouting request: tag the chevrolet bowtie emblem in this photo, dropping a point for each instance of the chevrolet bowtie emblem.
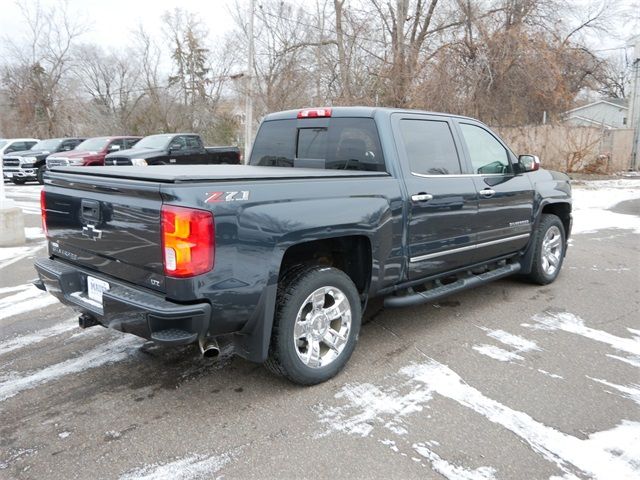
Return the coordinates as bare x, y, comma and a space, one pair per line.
90, 231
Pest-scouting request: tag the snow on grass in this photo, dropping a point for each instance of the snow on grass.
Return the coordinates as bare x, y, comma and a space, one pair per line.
110, 352
571, 323
22, 341
450, 471
29, 298
497, 353
604, 455
592, 200
192, 466
632, 392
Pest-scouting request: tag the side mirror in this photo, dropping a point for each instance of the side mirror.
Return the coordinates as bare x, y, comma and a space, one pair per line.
528, 163
113, 148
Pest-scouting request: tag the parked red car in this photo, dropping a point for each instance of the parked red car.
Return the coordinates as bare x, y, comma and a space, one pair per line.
91, 152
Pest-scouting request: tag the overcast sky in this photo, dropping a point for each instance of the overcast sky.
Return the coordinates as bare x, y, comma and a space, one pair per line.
110, 22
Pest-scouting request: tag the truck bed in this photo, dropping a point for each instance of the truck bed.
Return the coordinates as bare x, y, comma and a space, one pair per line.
208, 173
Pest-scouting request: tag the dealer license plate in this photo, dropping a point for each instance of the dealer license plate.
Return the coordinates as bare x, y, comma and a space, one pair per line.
95, 287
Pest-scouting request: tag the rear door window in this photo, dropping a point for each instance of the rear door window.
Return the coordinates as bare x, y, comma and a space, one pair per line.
430, 147
193, 143
335, 144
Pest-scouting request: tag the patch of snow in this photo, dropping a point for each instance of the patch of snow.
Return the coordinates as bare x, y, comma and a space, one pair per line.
31, 298
11, 255
571, 323
16, 288
497, 353
632, 392
109, 352
35, 337
519, 343
190, 467
16, 454
366, 405
549, 374
604, 455
592, 201
450, 471
632, 360
64, 435
391, 444
33, 233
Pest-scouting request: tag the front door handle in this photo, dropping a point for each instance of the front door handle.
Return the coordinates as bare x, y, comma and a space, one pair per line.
421, 197
487, 192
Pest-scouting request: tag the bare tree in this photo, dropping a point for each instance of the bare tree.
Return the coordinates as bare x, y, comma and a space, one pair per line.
40, 64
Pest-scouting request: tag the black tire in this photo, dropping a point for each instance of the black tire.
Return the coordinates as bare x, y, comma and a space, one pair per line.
294, 288
538, 273
18, 181
40, 174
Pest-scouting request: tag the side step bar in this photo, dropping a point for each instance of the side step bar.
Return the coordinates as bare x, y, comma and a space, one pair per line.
418, 298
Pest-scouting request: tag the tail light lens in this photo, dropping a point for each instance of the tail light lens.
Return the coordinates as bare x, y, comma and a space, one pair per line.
188, 241
43, 212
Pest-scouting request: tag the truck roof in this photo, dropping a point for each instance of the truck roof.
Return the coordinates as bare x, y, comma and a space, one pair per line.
357, 111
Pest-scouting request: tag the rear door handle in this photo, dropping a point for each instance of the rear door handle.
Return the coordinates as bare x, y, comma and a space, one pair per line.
421, 197
487, 192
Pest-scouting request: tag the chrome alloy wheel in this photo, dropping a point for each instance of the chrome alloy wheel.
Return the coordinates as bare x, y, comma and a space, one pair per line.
551, 250
322, 327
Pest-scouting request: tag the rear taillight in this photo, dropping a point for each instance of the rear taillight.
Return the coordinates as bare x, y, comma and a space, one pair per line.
43, 212
314, 113
188, 241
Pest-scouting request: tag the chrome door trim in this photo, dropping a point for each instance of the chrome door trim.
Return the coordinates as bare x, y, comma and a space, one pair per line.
467, 248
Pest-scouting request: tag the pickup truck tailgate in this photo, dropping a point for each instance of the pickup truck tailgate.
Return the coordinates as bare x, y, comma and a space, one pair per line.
107, 225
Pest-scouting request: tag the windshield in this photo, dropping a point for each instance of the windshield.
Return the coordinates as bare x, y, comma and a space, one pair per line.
93, 144
50, 145
154, 141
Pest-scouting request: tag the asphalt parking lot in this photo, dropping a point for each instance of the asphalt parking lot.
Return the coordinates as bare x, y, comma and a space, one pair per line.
507, 381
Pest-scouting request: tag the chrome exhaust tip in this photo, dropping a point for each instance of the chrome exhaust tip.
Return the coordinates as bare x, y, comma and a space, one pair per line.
209, 348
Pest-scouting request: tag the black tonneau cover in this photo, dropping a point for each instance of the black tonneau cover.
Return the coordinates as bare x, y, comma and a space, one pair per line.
203, 173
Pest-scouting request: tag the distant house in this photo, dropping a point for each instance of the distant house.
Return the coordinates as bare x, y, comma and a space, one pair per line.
607, 113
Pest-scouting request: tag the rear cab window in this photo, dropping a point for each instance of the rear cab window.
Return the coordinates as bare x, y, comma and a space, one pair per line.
338, 143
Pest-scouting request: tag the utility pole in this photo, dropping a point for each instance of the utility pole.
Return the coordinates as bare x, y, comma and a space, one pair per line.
634, 101
248, 106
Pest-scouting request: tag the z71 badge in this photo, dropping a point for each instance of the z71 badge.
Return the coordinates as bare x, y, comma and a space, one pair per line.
227, 196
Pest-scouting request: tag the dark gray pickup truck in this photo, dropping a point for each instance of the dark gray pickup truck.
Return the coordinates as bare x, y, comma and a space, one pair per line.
277, 260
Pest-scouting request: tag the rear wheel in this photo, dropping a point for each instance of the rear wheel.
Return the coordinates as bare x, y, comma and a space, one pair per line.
549, 244
316, 325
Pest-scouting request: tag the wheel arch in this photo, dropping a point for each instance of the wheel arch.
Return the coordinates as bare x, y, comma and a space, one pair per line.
562, 210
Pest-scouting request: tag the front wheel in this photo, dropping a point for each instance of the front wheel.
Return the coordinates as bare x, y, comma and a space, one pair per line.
18, 181
549, 245
40, 174
316, 326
